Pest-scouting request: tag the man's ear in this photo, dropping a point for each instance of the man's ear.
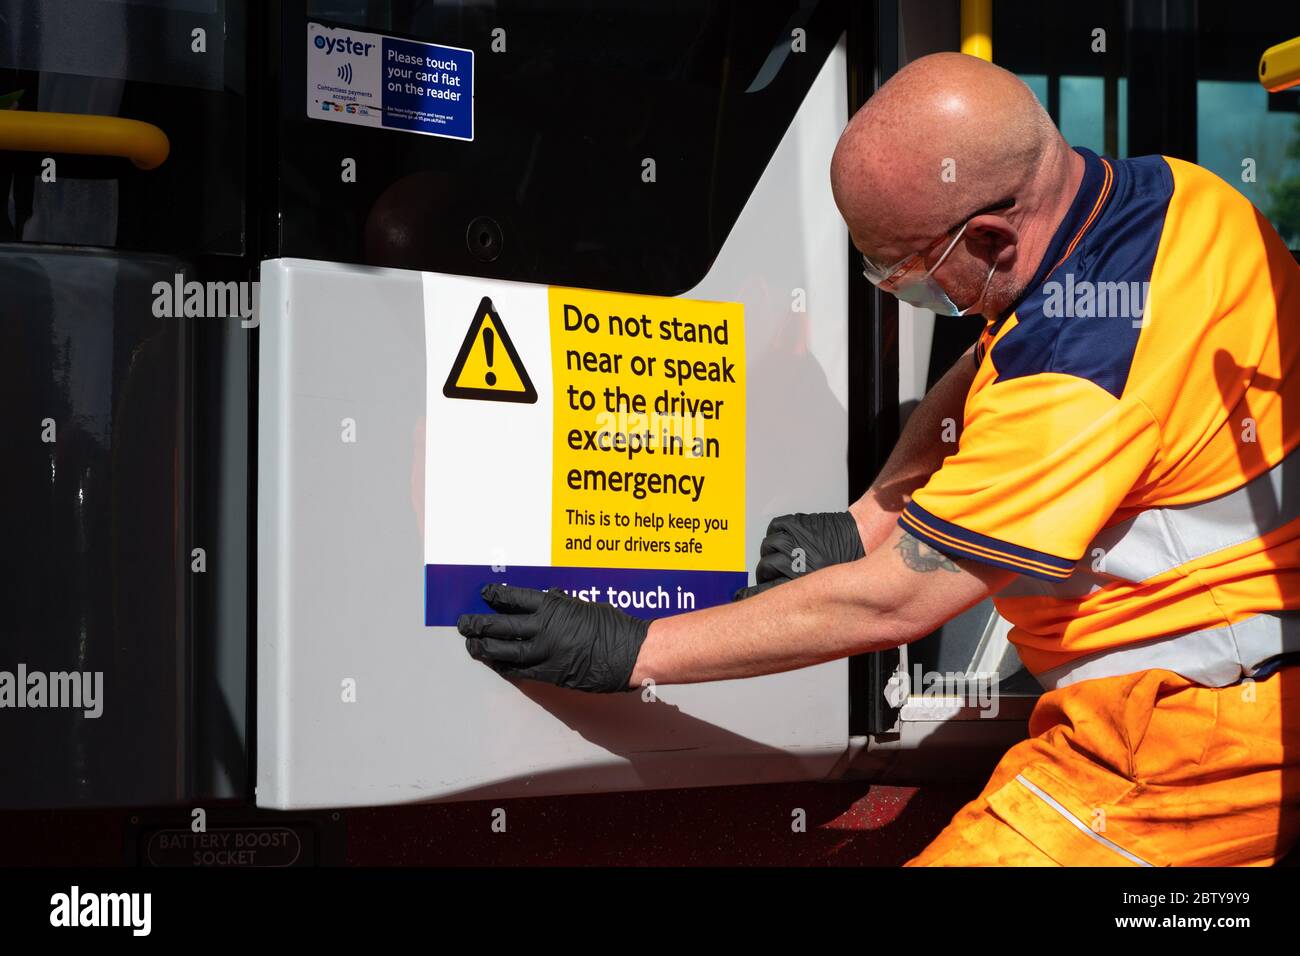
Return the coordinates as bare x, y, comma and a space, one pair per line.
993, 239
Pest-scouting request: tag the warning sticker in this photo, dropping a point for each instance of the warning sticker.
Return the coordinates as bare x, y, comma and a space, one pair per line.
485, 369
614, 471
368, 79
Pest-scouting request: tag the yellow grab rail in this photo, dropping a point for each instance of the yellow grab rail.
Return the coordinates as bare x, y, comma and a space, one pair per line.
977, 28
1279, 67
143, 143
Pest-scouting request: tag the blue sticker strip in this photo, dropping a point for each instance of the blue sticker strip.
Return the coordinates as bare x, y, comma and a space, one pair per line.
451, 590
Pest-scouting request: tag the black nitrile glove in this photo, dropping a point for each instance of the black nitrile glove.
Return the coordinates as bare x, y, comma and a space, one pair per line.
549, 636
799, 543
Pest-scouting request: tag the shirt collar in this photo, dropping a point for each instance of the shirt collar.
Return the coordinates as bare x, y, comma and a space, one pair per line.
1094, 190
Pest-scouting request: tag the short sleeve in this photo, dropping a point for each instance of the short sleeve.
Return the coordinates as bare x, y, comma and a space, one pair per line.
1042, 465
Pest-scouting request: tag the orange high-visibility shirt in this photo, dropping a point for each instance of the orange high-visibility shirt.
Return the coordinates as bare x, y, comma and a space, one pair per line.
1125, 441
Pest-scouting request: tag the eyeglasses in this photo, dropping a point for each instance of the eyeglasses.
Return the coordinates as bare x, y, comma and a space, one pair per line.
877, 274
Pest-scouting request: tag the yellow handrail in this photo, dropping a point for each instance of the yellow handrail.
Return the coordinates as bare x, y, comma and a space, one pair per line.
1279, 67
977, 28
143, 143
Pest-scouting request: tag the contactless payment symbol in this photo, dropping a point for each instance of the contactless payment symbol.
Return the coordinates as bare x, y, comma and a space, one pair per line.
488, 367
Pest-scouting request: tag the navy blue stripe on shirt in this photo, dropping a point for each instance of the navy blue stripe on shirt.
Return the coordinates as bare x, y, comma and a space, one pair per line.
1086, 318
963, 543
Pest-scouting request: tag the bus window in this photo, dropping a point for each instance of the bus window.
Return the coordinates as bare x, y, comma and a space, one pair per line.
1195, 95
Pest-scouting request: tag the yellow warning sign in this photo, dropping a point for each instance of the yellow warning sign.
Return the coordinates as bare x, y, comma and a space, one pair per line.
648, 454
488, 367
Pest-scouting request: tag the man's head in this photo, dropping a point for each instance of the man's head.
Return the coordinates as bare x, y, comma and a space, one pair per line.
947, 137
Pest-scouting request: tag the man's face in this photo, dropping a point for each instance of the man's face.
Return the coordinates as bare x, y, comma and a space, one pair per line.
931, 274
894, 261
953, 263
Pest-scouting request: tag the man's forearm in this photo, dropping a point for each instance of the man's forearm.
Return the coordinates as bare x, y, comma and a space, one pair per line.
920, 451
896, 594
872, 604
819, 617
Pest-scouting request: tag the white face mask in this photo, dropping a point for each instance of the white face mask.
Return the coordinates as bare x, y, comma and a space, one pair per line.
925, 292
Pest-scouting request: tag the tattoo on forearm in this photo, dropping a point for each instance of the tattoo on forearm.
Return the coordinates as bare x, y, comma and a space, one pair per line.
919, 556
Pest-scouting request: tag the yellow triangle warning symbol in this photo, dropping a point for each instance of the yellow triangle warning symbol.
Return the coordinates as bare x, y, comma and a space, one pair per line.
488, 367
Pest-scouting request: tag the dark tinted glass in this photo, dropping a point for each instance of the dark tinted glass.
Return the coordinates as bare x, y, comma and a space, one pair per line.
565, 119
177, 64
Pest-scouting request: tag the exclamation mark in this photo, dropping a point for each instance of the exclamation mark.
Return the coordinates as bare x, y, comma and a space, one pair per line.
491, 377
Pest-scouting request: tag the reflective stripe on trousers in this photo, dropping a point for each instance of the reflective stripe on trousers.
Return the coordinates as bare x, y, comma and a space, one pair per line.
1078, 824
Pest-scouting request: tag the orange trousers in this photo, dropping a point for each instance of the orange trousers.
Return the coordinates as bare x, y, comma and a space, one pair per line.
1144, 769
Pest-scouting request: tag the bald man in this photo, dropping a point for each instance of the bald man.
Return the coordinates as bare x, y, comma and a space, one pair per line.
1124, 485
